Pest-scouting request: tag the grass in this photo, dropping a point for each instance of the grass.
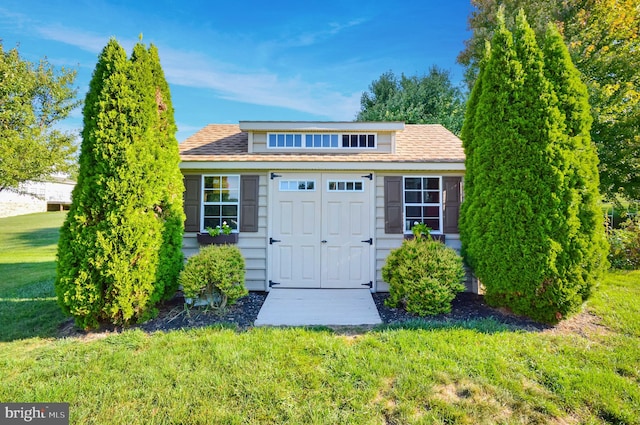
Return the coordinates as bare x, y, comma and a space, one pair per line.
476, 372
28, 245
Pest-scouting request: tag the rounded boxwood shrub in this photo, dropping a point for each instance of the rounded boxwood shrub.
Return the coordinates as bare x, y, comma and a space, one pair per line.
215, 274
424, 277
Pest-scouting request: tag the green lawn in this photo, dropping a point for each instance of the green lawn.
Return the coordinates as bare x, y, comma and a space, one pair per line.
467, 373
28, 245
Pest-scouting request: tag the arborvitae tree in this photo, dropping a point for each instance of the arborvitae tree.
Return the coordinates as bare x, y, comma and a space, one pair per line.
79, 283
110, 244
602, 37
502, 73
521, 233
586, 246
170, 208
467, 212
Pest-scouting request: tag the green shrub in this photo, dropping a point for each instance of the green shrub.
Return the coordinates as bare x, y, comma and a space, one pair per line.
216, 274
625, 245
424, 276
531, 228
120, 249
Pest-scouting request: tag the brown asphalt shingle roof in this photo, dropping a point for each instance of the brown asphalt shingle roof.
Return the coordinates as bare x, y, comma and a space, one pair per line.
416, 143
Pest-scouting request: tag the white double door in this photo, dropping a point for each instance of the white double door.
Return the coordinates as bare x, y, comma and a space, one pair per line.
321, 230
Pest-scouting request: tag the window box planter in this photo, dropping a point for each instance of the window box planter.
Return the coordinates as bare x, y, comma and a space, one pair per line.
207, 239
437, 237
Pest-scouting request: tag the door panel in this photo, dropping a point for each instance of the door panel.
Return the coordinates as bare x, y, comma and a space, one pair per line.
296, 228
346, 223
318, 233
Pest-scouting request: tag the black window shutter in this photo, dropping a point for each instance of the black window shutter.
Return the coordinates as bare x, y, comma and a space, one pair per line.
192, 194
249, 188
393, 204
451, 205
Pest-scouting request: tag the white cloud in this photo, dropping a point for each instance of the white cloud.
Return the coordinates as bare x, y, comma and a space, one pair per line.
232, 81
261, 88
309, 38
83, 40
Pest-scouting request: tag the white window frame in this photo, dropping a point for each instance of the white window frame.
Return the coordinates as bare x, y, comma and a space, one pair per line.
422, 204
304, 146
220, 203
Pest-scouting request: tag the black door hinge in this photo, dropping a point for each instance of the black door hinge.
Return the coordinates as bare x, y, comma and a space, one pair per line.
272, 283
369, 241
369, 284
272, 241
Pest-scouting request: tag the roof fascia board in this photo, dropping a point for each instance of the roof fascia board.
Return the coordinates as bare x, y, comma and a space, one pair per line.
390, 166
320, 126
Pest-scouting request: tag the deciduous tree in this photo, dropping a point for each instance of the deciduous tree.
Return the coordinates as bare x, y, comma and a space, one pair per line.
34, 98
430, 99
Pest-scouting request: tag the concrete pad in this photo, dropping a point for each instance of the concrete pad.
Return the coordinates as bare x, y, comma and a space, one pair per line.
308, 307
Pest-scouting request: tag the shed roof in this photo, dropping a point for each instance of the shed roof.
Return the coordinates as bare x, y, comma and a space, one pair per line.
416, 143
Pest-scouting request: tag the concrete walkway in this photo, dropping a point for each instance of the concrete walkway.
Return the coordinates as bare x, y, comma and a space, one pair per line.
305, 307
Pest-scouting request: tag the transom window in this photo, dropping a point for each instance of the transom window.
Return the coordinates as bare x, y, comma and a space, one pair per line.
297, 185
345, 186
358, 141
221, 200
321, 141
422, 202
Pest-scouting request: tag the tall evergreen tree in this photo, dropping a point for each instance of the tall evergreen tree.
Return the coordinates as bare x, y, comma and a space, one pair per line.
585, 246
495, 93
468, 211
170, 208
521, 236
111, 243
603, 37
79, 283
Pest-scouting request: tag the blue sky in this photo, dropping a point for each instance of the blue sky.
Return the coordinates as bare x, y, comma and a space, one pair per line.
252, 60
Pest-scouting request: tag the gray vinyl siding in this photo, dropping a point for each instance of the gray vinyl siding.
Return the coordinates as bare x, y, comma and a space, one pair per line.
253, 245
385, 242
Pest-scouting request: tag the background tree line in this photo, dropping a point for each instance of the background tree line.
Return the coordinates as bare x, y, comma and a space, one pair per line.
427, 99
603, 38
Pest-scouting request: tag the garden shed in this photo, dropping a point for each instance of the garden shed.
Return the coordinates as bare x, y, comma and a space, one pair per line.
321, 204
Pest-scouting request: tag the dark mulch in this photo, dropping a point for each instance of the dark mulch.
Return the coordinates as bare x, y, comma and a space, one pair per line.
465, 307
173, 315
